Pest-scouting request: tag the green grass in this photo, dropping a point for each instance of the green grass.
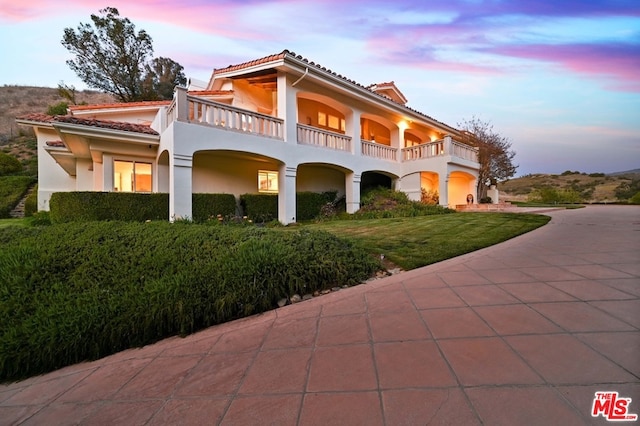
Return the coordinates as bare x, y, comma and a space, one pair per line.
12, 222
419, 241
78, 291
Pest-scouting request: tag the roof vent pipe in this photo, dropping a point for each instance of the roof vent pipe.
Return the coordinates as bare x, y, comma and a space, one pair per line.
306, 71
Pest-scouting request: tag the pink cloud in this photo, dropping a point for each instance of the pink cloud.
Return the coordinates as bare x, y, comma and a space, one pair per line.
619, 64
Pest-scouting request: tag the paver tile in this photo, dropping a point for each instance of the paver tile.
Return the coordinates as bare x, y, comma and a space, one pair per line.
341, 330
455, 322
410, 365
277, 371
625, 310
484, 295
563, 359
590, 290
345, 408
124, 412
190, 411
342, 368
523, 406
622, 348
291, 334
216, 375
410, 407
397, 326
463, 278
159, 378
486, 361
506, 276
435, 298
579, 316
516, 319
273, 410
537, 292
391, 301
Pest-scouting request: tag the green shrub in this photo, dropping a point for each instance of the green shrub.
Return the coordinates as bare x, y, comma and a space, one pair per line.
207, 206
31, 203
58, 109
380, 203
89, 206
9, 165
74, 292
12, 189
309, 204
260, 208
635, 199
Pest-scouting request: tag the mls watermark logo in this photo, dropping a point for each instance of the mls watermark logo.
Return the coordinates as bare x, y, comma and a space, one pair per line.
612, 407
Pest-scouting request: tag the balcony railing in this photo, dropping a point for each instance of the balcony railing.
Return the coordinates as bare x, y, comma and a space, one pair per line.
463, 151
309, 135
376, 150
232, 118
197, 110
425, 150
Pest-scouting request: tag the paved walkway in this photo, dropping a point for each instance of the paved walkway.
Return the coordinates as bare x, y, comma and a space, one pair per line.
521, 333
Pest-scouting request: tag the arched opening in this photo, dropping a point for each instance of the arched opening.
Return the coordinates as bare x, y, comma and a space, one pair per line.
460, 185
163, 172
370, 180
430, 187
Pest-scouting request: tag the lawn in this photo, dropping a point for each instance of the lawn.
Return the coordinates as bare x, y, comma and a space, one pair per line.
418, 241
78, 291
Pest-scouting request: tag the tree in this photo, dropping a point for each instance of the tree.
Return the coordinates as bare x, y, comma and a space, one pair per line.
111, 56
161, 76
494, 153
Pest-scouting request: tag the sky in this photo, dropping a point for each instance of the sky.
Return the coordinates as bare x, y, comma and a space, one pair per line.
560, 79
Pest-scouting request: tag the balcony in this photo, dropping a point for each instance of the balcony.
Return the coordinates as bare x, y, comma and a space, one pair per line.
200, 111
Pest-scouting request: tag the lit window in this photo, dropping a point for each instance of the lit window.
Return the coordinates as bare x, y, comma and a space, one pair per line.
131, 176
322, 119
268, 181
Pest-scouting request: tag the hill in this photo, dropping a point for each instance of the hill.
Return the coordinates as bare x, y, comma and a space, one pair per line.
18, 100
594, 187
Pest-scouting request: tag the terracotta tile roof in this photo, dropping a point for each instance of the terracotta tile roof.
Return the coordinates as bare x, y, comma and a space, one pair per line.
106, 124
56, 144
118, 105
243, 65
286, 53
37, 117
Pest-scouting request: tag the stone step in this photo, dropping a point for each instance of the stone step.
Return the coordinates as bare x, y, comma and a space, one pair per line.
18, 210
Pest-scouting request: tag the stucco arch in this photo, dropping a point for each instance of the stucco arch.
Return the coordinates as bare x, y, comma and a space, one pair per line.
230, 172
373, 178
163, 172
459, 185
321, 177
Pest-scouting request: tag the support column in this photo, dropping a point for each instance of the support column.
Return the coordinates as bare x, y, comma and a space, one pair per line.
352, 191
287, 194
180, 188
353, 130
443, 189
288, 108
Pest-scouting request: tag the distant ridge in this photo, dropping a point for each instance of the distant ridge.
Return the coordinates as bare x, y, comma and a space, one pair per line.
628, 172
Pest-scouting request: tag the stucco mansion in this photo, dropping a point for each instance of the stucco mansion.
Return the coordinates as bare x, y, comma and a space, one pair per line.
279, 124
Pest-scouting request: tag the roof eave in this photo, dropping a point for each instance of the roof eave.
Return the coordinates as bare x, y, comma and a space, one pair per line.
105, 133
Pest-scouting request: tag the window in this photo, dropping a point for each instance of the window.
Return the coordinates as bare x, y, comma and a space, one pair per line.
131, 176
331, 121
268, 181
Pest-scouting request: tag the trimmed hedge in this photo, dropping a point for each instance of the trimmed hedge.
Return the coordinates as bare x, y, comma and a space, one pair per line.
129, 206
260, 208
71, 293
309, 204
12, 189
209, 206
90, 206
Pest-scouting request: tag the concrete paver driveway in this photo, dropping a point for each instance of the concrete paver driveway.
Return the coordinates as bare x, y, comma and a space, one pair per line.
524, 332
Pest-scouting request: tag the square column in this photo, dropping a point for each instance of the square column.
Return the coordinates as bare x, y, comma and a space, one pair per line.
180, 187
443, 189
287, 194
352, 191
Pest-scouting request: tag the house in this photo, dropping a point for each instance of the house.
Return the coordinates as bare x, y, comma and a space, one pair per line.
279, 124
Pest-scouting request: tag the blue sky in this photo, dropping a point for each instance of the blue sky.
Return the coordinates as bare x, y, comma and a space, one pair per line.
560, 79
